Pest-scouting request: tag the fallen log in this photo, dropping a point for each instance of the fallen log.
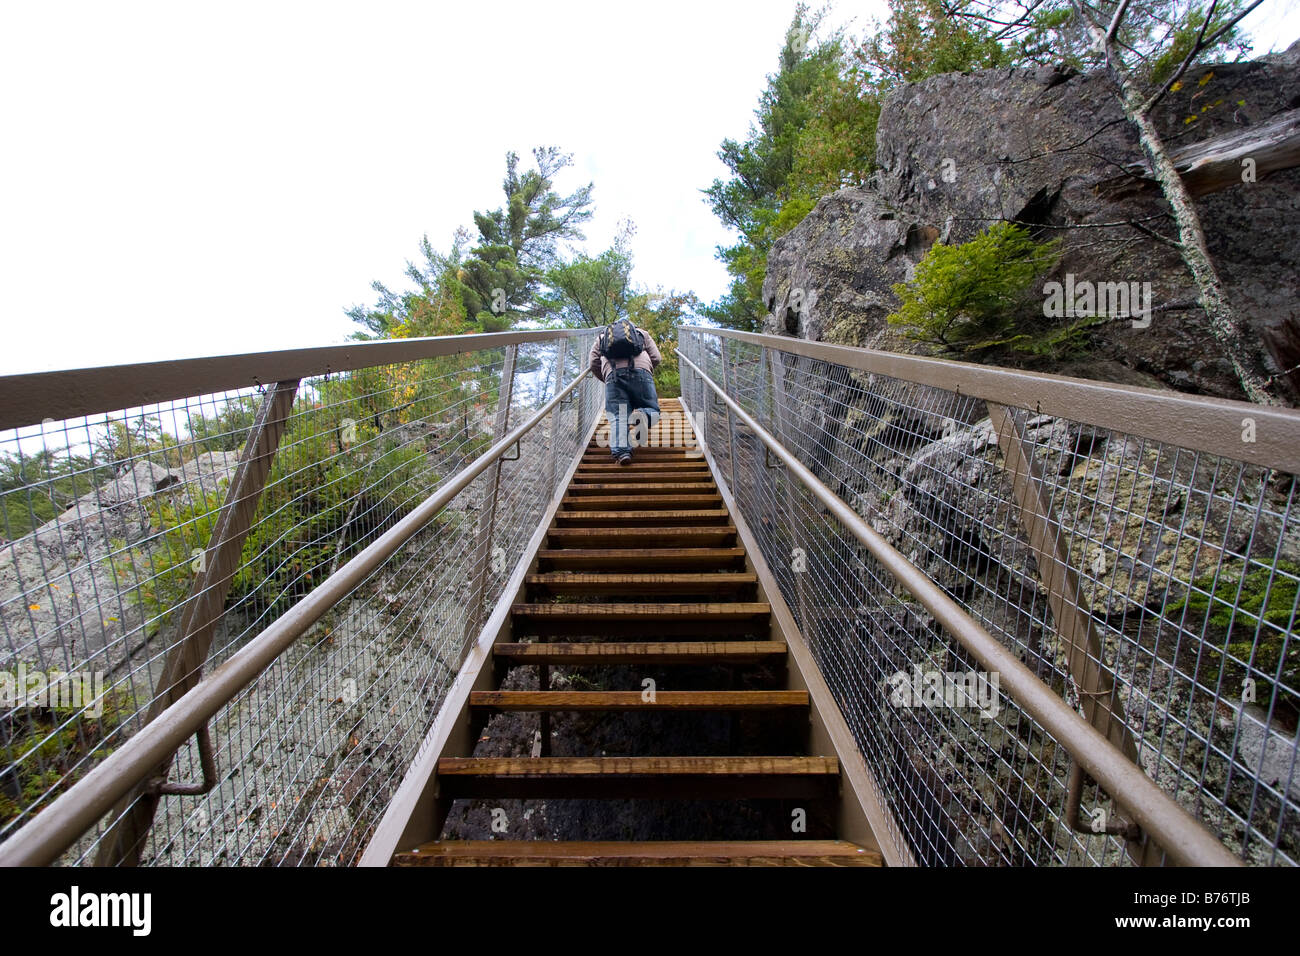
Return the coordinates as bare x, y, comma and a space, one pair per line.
1230, 159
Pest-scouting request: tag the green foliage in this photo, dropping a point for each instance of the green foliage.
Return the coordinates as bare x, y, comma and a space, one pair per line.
976, 295
162, 574
815, 125
590, 291
37, 488
750, 200
792, 213
323, 498
1253, 615
434, 307
1154, 35
837, 147
487, 288
1183, 30
815, 130
43, 750
228, 429
520, 241
921, 39
126, 441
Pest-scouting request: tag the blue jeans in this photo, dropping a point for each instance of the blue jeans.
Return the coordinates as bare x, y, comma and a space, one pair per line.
627, 392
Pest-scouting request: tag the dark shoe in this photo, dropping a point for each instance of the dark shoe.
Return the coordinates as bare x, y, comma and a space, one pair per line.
625, 459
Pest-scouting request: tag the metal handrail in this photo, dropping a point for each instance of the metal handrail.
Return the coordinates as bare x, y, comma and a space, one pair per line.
1194, 422
75, 811
31, 398
1185, 839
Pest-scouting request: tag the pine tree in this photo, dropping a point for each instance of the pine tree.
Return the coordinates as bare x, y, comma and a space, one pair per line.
520, 241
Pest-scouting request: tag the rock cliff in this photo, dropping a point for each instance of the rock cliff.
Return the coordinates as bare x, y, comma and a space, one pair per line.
1045, 147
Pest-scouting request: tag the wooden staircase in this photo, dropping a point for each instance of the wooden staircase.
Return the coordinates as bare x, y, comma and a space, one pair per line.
642, 568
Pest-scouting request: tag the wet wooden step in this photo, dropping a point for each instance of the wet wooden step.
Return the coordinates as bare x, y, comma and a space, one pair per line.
721, 582
677, 461
638, 853
632, 475
637, 489
654, 620
664, 517
638, 777
644, 612
618, 559
635, 537
642, 652
499, 701
608, 502
597, 455
609, 467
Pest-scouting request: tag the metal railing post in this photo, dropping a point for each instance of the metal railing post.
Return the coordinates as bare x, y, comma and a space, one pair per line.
204, 607
1074, 624
487, 514
553, 468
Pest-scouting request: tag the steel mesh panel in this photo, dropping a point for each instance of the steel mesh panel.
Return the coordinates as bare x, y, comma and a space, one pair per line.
309, 754
1185, 577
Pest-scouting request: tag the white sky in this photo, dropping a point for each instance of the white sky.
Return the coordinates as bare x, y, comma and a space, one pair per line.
179, 180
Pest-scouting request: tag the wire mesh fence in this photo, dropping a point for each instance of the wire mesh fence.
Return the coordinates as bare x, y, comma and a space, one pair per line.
1152, 586
107, 527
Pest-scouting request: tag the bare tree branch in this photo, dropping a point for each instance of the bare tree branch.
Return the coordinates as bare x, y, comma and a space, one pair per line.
1199, 47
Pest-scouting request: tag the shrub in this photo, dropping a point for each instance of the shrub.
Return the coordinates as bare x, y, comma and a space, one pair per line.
45, 749
316, 493
976, 295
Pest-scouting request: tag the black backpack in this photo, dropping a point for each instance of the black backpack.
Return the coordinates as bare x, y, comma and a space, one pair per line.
622, 340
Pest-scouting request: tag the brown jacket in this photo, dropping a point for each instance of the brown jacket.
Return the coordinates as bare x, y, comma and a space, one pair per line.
648, 359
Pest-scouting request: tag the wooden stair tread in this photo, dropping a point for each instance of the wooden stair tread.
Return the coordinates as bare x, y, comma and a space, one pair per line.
640, 652
598, 556
667, 516
636, 544
595, 447
609, 700
635, 537
631, 476
634, 529
637, 488
638, 853
600, 778
638, 766
637, 611
609, 502
614, 579
603, 456
668, 583
609, 467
